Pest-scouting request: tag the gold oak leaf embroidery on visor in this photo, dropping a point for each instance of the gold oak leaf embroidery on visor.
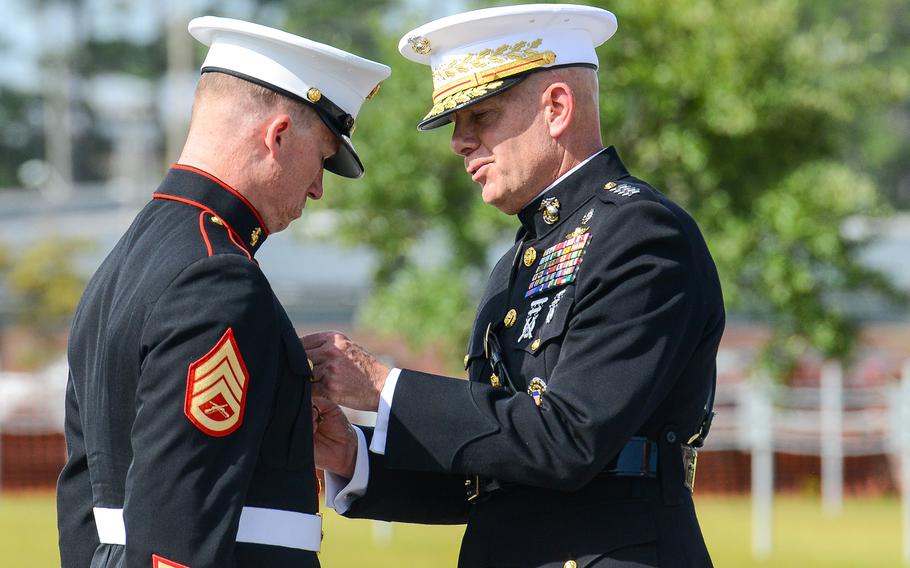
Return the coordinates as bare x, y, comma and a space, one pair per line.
521, 51
471, 76
462, 97
216, 387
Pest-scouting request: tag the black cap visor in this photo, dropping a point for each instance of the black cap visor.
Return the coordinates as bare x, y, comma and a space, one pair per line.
432, 121
345, 162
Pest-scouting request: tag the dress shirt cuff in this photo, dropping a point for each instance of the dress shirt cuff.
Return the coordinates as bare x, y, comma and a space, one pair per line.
340, 492
377, 446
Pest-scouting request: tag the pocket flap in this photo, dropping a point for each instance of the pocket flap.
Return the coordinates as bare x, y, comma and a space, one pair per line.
551, 321
297, 359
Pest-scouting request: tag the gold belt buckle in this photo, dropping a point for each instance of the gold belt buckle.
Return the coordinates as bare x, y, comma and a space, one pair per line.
690, 459
472, 486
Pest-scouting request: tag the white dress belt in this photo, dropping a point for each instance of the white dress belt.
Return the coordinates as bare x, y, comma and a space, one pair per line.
258, 525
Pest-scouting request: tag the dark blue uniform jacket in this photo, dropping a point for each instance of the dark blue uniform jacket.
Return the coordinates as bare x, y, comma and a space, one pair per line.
188, 402
615, 338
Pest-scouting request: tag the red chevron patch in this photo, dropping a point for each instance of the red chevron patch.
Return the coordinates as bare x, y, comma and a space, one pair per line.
216, 387
161, 562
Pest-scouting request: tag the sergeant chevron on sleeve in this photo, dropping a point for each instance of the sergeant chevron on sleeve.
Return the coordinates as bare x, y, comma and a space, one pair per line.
592, 358
188, 413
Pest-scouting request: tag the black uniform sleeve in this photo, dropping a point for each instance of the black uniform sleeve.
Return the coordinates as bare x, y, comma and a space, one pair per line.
186, 486
410, 496
75, 522
622, 350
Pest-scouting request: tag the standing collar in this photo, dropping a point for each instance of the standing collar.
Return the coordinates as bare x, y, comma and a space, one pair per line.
572, 189
577, 166
203, 190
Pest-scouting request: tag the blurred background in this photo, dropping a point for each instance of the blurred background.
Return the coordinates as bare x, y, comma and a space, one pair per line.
783, 126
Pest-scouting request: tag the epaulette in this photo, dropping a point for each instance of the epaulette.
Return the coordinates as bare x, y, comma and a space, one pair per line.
219, 237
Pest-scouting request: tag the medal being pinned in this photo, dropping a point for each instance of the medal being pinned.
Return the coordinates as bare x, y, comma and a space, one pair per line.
536, 388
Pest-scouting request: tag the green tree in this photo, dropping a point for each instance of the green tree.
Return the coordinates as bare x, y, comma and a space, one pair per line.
44, 283
21, 137
749, 114
41, 287
348, 25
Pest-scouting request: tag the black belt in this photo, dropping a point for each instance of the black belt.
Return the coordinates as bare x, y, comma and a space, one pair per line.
638, 458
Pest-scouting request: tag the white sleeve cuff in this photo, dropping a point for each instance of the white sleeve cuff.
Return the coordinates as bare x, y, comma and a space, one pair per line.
340, 493
377, 446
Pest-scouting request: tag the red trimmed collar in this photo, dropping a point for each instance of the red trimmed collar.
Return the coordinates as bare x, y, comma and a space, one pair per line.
201, 189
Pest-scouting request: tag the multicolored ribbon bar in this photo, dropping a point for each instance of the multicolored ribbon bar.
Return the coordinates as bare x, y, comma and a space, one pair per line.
558, 264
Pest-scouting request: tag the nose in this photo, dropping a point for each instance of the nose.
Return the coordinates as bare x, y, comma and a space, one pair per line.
464, 140
315, 189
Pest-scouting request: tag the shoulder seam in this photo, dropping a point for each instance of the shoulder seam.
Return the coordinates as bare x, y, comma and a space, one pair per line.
205, 237
153, 305
208, 210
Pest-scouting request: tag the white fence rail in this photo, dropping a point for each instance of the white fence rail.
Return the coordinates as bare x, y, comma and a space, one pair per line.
828, 421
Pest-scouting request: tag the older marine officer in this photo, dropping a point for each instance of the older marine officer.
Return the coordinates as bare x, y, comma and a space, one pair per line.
188, 414
592, 357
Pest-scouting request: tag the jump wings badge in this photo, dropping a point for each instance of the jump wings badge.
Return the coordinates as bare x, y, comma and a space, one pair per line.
216, 387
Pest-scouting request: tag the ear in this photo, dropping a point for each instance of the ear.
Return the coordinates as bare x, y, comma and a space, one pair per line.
559, 108
276, 127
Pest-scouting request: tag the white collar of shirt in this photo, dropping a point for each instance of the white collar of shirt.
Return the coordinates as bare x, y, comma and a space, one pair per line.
567, 174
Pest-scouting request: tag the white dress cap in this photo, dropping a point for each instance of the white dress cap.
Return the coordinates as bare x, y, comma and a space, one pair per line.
477, 54
333, 82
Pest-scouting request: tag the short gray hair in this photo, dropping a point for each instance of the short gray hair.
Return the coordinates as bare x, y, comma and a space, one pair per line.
250, 98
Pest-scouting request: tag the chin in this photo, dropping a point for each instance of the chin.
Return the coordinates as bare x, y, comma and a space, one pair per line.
495, 198
490, 194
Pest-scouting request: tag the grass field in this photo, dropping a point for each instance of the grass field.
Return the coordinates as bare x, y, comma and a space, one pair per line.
866, 535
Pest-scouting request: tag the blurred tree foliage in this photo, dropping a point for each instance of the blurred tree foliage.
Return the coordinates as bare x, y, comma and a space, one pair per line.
44, 283
348, 25
5, 259
21, 138
121, 56
749, 114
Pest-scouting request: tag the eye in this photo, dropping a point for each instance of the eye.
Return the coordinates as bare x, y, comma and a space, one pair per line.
483, 117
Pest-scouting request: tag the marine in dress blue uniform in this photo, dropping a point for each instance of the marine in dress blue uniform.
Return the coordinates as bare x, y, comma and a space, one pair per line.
591, 362
188, 413
571, 440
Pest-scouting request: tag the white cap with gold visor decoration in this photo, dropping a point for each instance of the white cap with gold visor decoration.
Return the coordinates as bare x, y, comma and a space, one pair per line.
333, 82
475, 55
